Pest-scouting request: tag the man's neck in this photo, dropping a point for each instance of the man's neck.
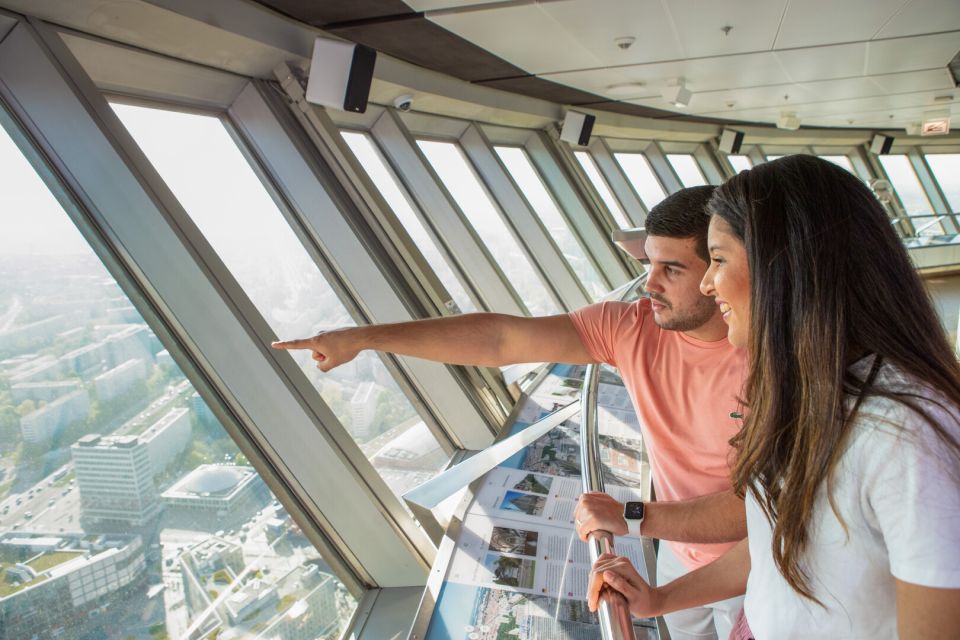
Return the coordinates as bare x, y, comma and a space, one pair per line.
712, 330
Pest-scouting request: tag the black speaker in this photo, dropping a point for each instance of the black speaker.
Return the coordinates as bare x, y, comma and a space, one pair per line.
340, 75
881, 144
577, 128
731, 141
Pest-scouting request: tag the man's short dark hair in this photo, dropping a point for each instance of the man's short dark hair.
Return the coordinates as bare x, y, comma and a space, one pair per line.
683, 215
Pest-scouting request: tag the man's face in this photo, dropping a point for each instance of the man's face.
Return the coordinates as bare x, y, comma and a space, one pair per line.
674, 284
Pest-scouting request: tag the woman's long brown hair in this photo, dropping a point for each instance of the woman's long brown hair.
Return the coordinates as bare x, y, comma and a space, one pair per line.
829, 281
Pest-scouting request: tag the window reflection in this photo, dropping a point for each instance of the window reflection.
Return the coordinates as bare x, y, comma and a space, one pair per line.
522, 170
740, 163
946, 170
641, 176
375, 166
687, 169
908, 188
593, 173
125, 508
448, 161
203, 167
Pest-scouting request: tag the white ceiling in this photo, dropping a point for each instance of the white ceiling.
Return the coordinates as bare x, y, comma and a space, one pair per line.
866, 63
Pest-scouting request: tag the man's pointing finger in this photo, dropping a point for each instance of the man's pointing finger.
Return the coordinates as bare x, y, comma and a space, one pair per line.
302, 343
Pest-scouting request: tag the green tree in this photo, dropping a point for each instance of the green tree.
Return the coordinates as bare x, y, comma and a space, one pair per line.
27, 406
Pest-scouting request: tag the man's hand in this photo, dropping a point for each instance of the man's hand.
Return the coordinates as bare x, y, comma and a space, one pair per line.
599, 512
616, 572
330, 348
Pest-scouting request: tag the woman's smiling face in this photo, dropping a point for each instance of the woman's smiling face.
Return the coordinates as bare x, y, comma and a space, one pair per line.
728, 280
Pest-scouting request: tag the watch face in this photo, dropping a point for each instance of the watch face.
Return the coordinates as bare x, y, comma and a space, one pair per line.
633, 511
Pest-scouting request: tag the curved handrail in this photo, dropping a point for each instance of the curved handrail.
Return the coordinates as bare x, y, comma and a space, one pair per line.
615, 621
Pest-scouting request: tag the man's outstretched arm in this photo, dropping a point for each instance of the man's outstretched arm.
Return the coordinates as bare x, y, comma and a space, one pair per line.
481, 339
717, 517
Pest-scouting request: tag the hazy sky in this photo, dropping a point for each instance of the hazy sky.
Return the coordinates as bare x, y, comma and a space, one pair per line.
31, 220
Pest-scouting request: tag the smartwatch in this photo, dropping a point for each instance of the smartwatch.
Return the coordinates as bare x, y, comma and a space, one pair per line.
633, 514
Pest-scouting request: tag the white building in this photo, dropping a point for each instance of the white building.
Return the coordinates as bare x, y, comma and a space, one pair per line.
218, 489
120, 379
167, 438
132, 342
115, 478
59, 580
364, 408
45, 391
44, 423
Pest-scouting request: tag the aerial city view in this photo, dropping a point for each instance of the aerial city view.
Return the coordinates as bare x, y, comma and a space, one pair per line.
126, 511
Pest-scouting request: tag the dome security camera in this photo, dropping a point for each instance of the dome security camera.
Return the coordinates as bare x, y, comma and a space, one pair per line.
403, 103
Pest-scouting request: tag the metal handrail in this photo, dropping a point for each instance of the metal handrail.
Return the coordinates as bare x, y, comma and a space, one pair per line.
614, 613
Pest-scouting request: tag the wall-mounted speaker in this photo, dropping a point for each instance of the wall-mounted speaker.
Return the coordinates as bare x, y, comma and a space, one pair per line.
730, 141
881, 144
577, 128
340, 75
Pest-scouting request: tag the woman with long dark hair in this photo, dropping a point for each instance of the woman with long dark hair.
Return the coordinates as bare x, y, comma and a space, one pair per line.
849, 455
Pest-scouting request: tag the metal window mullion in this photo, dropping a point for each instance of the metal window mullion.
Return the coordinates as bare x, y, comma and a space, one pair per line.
932, 189
308, 192
618, 182
608, 260
355, 194
555, 272
861, 166
178, 273
756, 155
706, 156
443, 214
905, 224
663, 169
185, 353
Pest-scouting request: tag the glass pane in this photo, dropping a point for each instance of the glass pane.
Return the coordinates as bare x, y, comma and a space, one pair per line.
520, 167
457, 175
687, 169
613, 205
841, 161
907, 186
200, 162
382, 176
641, 176
126, 511
946, 169
740, 163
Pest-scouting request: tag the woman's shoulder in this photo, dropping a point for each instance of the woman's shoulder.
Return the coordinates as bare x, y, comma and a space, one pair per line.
904, 412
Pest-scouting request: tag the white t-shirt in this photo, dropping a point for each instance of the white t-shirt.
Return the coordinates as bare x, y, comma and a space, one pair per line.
898, 489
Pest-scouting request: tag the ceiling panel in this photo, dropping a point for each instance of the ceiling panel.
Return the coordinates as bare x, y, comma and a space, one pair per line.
804, 24
714, 101
824, 63
923, 16
909, 54
596, 23
436, 48
930, 80
706, 74
508, 33
700, 25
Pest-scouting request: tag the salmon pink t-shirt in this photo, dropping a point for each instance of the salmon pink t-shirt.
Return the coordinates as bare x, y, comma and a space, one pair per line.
684, 391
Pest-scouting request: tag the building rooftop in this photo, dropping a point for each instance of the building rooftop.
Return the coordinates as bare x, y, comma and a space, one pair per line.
218, 480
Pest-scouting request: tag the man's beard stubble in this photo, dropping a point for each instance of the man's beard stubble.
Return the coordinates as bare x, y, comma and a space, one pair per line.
692, 319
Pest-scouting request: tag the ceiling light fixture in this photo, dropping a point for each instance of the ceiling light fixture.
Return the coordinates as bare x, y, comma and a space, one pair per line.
677, 94
624, 42
788, 121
